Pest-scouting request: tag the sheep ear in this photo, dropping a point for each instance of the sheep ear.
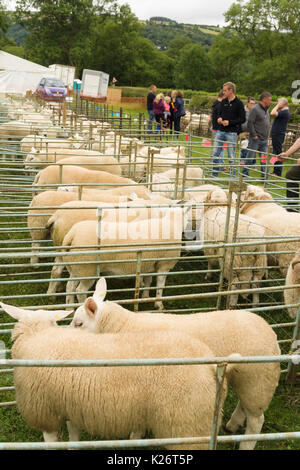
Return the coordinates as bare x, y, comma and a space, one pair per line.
90, 306
15, 312
58, 315
133, 197
100, 291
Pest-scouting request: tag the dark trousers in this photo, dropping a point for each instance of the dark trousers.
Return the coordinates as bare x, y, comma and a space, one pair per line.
277, 141
177, 124
292, 186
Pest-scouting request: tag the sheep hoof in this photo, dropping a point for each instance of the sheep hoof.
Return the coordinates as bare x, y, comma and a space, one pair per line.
34, 260
159, 306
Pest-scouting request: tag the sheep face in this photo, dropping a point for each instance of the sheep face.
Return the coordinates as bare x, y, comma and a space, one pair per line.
87, 315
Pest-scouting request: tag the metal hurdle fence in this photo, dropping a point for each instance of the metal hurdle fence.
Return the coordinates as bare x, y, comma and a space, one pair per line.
26, 284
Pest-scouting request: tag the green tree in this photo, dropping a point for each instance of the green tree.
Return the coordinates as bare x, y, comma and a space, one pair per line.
269, 29
177, 44
60, 29
193, 68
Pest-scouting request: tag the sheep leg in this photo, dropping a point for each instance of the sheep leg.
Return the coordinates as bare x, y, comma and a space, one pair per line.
233, 298
160, 284
71, 286
56, 273
73, 431
83, 286
34, 258
237, 419
255, 296
50, 436
146, 283
254, 425
208, 276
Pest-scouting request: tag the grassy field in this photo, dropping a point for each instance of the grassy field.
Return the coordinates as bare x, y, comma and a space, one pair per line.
283, 414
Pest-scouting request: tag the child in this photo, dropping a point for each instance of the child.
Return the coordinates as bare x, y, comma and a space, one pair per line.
167, 113
244, 146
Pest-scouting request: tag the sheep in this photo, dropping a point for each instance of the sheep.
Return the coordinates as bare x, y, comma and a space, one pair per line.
192, 177
102, 163
49, 146
199, 193
56, 175
36, 159
136, 235
291, 296
112, 402
45, 204
73, 212
268, 215
225, 332
215, 230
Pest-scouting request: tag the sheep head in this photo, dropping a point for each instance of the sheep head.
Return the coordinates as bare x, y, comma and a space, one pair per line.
21, 314
86, 316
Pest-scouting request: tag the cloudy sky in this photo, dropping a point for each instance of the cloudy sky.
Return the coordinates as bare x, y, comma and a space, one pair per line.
183, 11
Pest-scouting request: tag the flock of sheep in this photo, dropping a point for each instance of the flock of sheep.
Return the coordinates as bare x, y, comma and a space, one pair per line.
87, 196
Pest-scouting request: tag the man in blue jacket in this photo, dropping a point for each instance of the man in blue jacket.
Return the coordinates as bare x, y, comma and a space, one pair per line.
231, 117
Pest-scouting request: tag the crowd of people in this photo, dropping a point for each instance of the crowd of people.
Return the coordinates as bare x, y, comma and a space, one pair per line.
165, 110
231, 120
252, 124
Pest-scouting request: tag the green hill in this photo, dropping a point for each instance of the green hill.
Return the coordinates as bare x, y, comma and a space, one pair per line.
159, 30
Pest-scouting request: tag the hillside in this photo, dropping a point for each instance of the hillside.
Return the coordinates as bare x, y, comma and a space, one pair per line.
159, 30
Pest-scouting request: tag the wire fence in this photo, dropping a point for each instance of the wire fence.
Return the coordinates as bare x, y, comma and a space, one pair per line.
215, 266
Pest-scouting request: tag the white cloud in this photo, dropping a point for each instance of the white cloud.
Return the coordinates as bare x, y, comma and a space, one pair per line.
182, 11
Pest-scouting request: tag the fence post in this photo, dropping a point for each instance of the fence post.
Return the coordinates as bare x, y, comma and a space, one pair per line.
221, 369
238, 188
137, 279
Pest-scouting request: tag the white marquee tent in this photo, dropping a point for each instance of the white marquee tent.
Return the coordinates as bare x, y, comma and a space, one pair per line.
18, 75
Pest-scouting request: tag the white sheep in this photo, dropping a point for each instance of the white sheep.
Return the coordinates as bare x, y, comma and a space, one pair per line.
111, 402
245, 257
277, 222
292, 296
37, 160
225, 332
70, 213
137, 236
56, 175
45, 204
166, 181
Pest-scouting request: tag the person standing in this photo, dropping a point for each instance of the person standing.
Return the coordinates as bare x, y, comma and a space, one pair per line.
179, 105
258, 127
159, 109
172, 110
282, 117
250, 103
215, 127
150, 98
293, 174
231, 116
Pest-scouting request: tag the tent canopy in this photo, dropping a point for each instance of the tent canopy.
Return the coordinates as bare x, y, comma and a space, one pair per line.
18, 75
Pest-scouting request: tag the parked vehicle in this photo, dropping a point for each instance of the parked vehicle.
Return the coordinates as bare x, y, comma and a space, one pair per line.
51, 89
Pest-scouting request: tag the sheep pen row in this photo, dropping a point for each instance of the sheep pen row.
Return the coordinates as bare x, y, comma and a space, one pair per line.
201, 275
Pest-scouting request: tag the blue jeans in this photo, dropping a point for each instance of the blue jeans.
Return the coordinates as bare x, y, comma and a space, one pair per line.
214, 148
254, 146
150, 122
230, 138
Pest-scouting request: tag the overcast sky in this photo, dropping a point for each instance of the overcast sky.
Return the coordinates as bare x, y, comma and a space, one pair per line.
182, 11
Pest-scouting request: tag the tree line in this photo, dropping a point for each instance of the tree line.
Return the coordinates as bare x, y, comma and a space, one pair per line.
259, 49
